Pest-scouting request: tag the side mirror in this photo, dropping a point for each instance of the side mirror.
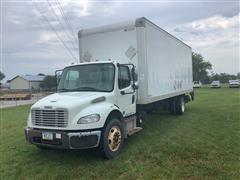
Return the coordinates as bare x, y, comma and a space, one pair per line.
58, 74
135, 86
134, 75
134, 78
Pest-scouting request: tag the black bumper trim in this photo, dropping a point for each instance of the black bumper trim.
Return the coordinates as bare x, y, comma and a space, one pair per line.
68, 140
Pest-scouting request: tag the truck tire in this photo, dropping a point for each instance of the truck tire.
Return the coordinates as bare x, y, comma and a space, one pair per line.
180, 105
177, 105
112, 139
172, 106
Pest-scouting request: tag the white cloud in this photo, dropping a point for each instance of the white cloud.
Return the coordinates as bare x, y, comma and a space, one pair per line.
45, 37
210, 31
82, 7
215, 22
216, 38
14, 19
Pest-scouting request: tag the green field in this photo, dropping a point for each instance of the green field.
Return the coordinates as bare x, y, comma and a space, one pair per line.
204, 143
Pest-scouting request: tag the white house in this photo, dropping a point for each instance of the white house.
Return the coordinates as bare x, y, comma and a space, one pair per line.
26, 82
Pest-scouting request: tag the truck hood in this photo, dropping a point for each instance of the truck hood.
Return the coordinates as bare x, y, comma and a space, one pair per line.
68, 100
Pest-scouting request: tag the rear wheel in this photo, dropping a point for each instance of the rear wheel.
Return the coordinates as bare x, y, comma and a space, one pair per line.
180, 105
112, 139
177, 105
172, 105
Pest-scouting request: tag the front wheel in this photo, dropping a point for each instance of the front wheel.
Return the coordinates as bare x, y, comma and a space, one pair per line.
112, 139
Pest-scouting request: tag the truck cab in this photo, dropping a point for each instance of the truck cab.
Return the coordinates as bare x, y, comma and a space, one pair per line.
88, 110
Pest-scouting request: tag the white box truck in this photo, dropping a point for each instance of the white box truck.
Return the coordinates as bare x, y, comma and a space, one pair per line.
125, 70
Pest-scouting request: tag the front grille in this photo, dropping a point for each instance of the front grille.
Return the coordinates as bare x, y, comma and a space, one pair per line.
50, 118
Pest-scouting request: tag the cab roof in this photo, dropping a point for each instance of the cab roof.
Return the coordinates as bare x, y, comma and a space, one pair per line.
93, 62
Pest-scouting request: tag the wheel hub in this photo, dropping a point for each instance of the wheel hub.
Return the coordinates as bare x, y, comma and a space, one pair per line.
114, 138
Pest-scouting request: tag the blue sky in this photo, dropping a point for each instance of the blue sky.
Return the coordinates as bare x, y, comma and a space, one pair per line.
30, 46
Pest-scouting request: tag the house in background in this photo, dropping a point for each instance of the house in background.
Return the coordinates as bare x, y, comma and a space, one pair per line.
26, 82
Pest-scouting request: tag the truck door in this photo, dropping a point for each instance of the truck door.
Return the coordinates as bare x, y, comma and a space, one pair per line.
126, 93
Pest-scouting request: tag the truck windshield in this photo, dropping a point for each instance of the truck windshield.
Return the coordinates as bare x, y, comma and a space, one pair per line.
91, 77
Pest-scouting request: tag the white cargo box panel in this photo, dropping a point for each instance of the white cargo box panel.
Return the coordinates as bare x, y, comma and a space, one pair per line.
163, 62
113, 42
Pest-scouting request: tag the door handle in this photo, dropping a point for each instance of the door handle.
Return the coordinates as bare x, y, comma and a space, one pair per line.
124, 93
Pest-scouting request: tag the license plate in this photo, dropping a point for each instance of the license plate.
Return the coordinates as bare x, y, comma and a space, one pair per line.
47, 136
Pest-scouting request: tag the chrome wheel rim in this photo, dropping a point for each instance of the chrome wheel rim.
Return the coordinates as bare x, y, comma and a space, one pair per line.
114, 138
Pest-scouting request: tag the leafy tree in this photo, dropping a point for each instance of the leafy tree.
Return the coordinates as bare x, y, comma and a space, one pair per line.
2, 76
200, 68
49, 83
238, 75
223, 77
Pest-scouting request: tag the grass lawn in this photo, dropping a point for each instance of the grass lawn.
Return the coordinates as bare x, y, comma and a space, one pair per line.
204, 143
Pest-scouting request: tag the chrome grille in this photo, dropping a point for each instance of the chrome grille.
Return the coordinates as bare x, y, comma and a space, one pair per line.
51, 118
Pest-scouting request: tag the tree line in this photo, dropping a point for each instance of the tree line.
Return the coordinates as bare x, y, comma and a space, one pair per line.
202, 71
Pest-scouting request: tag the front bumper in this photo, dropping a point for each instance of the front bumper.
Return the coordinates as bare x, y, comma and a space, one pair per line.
63, 139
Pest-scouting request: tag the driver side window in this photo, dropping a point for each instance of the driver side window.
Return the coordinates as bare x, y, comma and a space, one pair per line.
124, 78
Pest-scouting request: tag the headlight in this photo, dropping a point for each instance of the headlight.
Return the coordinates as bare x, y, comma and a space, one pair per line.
89, 119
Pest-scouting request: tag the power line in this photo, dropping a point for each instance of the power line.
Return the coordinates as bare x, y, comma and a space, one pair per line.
54, 30
65, 17
59, 38
68, 35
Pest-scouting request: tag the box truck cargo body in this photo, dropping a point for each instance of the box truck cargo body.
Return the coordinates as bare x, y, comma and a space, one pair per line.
125, 70
163, 62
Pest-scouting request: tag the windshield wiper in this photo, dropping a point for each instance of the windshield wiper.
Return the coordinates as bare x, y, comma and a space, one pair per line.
63, 90
86, 88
